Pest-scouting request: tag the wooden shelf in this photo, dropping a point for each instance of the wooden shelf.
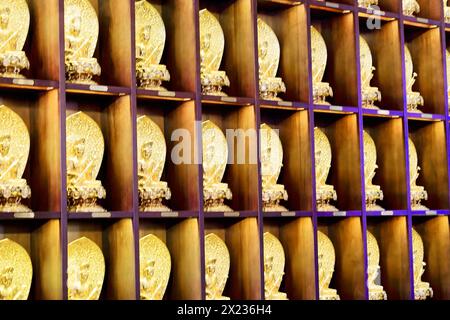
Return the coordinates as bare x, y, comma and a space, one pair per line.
172, 215
73, 88
24, 216
99, 215
28, 84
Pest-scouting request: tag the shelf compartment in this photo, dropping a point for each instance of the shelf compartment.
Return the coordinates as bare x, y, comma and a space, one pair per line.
114, 117
242, 174
392, 238
345, 175
41, 239
434, 232
338, 31
243, 242
176, 119
429, 139
296, 173
183, 241
391, 160
429, 10
290, 25
426, 52
387, 60
116, 240
41, 113
347, 238
240, 56
297, 238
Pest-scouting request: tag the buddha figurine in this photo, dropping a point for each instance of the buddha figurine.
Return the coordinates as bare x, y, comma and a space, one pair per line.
269, 59
319, 55
376, 292
217, 267
14, 152
150, 41
373, 192
155, 265
422, 290
369, 94
16, 271
410, 7
414, 99
215, 158
86, 270
274, 261
367, 3
271, 164
81, 30
85, 148
326, 263
418, 193
324, 192
212, 45
151, 160
14, 26
446, 11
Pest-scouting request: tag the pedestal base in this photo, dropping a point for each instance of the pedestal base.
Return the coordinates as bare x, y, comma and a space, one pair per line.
12, 63
82, 71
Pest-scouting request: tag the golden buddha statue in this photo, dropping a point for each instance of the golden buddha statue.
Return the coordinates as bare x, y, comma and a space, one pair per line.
373, 192
16, 271
319, 55
86, 270
324, 192
151, 160
274, 261
367, 3
212, 45
446, 12
327, 259
369, 94
410, 7
14, 26
376, 292
155, 267
81, 30
418, 193
150, 41
271, 163
85, 148
422, 290
14, 152
269, 59
414, 99
215, 158
217, 267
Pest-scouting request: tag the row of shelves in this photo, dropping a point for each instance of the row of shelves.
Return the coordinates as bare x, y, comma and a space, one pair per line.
118, 240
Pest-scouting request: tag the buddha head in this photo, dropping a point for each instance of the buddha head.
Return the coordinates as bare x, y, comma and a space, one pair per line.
149, 270
5, 145
4, 17
145, 33
74, 21
268, 264
78, 148
206, 42
147, 150
211, 267
263, 50
6, 277
84, 272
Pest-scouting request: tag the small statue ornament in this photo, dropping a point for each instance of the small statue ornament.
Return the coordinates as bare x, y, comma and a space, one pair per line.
274, 261
217, 260
327, 259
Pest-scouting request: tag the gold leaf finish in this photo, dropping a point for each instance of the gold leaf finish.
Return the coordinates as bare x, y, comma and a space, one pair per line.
422, 290
217, 268
151, 160
369, 94
414, 99
16, 271
327, 259
376, 292
155, 265
410, 7
373, 192
14, 152
319, 55
86, 270
418, 193
274, 261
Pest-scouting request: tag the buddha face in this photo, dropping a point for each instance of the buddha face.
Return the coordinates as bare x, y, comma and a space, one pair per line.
263, 50
149, 270
84, 272
145, 34
74, 21
268, 264
147, 150
6, 277
211, 267
206, 42
5, 145
4, 17
79, 147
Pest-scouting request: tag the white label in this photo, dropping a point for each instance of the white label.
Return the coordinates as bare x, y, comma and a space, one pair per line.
166, 93
336, 108
101, 215
24, 215
285, 103
384, 112
231, 214
423, 20
431, 213
331, 5
170, 214
98, 88
25, 82
387, 213
427, 116
228, 99
288, 214
340, 214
